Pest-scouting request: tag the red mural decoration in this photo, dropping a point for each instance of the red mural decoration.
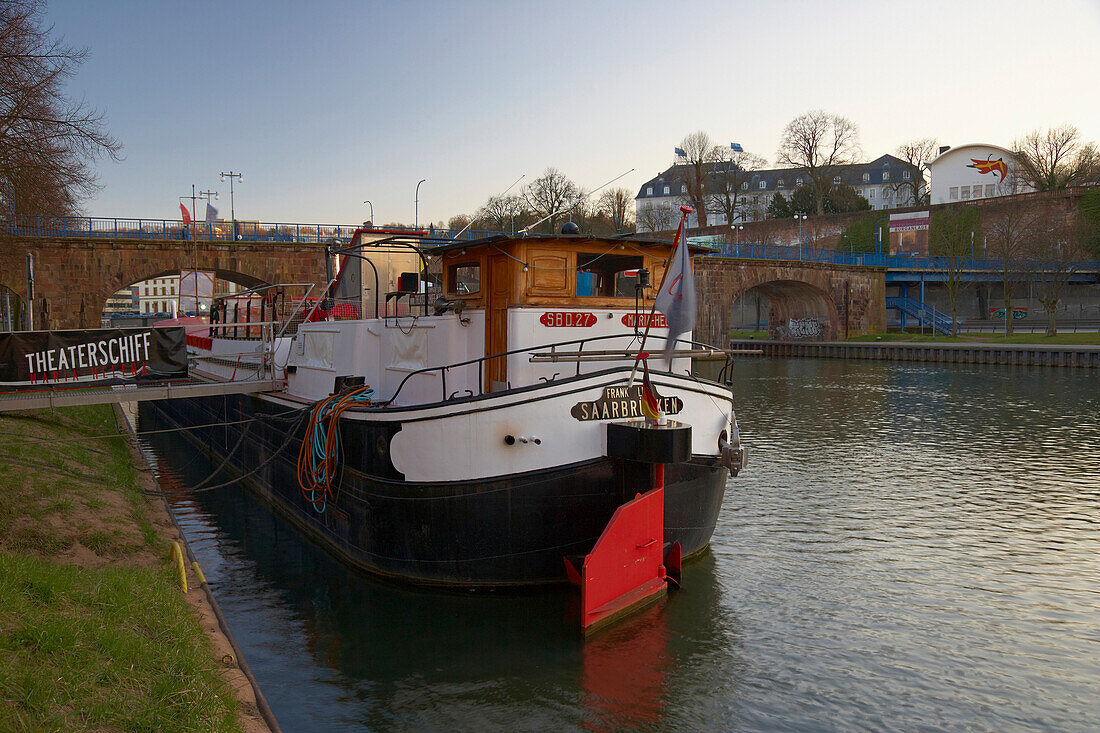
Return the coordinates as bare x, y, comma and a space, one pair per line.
990, 166
567, 319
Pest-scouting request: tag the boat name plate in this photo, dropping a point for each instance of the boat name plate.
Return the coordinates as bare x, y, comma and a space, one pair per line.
568, 319
621, 402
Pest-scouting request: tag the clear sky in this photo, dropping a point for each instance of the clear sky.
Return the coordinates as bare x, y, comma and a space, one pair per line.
324, 104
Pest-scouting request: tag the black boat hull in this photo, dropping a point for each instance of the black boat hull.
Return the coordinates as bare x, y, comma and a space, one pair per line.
509, 530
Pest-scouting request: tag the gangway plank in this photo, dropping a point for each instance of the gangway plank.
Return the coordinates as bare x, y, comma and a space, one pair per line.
67, 397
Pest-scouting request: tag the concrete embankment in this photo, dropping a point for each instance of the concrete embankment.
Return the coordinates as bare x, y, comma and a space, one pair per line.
953, 353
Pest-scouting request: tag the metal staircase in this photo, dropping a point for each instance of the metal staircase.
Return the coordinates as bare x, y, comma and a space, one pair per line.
925, 314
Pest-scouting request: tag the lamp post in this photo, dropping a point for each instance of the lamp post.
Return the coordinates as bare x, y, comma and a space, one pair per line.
416, 205
878, 233
801, 218
368, 203
232, 210
737, 229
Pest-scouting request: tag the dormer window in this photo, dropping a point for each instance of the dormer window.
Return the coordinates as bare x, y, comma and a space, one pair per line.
649, 190
763, 185
667, 191
836, 179
779, 183
798, 181
683, 188
745, 186
905, 175
866, 177
886, 175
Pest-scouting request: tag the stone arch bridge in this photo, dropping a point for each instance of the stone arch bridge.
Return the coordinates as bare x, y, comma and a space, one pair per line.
74, 277
820, 301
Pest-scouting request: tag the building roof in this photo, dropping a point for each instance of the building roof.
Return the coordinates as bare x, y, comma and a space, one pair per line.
786, 179
949, 151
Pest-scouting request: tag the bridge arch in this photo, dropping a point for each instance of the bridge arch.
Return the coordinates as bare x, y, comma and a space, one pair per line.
797, 309
846, 299
74, 277
124, 280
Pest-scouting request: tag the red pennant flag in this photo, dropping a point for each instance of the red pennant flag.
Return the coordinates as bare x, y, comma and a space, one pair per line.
186, 214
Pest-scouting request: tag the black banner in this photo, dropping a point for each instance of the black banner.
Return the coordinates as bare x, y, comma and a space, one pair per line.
94, 356
622, 402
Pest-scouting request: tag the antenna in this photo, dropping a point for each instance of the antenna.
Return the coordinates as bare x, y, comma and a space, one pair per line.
486, 205
574, 202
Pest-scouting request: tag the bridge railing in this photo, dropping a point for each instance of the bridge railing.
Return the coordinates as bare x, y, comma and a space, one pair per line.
751, 250
33, 225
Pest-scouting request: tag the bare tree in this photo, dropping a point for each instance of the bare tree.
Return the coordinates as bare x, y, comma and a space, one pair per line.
699, 151
618, 204
731, 173
1052, 254
1057, 158
550, 194
916, 154
951, 240
819, 144
655, 218
48, 142
500, 213
1006, 234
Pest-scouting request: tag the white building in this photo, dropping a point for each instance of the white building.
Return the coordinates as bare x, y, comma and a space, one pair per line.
159, 295
973, 171
886, 183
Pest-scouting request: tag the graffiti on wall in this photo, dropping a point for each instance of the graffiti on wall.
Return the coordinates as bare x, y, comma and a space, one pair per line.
805, 328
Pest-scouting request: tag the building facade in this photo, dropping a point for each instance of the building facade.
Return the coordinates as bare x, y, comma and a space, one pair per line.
886, 182
160, 295
973, 171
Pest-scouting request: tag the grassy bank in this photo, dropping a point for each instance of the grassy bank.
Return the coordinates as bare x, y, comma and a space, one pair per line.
1061, 339
95, 634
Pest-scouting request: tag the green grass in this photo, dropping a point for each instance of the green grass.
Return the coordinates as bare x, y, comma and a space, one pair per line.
110, 647
113, 649
1061, 339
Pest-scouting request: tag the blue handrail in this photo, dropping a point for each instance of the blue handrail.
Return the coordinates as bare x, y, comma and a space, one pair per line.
85, 227
870, 259
925, 314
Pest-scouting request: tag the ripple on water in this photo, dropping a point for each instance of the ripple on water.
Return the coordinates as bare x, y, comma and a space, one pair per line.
913, 547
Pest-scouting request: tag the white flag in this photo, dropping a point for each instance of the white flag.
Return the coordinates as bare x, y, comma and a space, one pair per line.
677, 297
211, 213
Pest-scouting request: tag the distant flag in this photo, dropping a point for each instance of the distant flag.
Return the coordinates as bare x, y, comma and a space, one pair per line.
677, 298
185, 213
651, 407
680, 152
211, 213
736, 147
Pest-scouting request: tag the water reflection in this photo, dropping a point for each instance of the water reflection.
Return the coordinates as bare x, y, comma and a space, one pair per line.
911, 546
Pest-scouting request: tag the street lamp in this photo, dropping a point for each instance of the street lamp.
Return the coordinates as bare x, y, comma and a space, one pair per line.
416, 205
737, 229
801, 218
232, 210
878, 233
368, 203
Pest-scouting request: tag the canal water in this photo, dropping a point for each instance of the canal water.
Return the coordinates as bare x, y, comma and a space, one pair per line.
912, 547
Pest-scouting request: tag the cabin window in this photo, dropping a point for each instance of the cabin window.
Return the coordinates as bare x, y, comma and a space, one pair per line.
465, 278
607, 275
